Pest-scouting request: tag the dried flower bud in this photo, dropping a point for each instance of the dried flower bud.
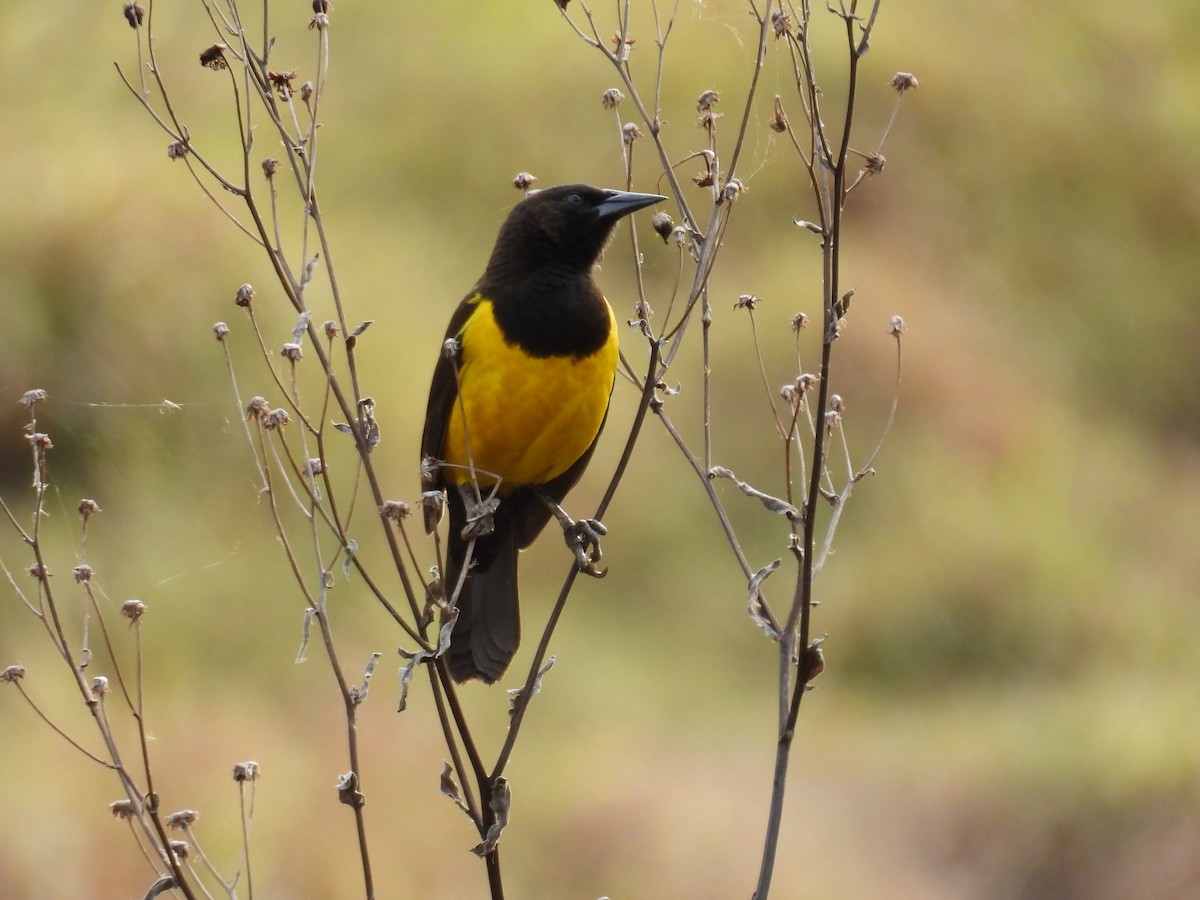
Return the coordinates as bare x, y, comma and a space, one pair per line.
122, 809
904, 81
183, 819
276, 418
270, 166
733, 189
746, 301
244, 295
814, 659
30, 399
642, 311
83, 573
246, 771
134, 14
133, 609
708, 121
306, 91
12, 673
704, 179
220, 331
100, 685
897, 326
319, 22
177, 150
837, 404
450, 348
214, 57
663, 225
707, 100
40, 440
612, 98
799, 321
314, 466
40, 571
778, 121
257, 408
630, 132
875, 162
292, 351
432, 505
523, 181
331, 329
396, 510
179, 849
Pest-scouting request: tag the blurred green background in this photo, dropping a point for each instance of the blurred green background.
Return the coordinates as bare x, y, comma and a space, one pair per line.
1009, 708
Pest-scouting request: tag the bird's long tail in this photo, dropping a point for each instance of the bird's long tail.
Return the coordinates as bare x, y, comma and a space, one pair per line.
488, 629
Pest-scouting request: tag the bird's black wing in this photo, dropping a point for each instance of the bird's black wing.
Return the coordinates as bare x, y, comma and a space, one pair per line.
443, 393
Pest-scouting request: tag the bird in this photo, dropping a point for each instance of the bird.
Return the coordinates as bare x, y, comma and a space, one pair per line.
518, 398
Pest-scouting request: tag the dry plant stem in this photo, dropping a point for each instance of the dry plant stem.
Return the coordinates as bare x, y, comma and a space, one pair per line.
797, 633
348, 701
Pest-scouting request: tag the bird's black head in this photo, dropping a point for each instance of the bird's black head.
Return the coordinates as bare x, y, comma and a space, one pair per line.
563, 227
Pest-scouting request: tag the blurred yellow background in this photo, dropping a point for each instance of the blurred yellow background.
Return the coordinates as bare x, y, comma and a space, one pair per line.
1009, 707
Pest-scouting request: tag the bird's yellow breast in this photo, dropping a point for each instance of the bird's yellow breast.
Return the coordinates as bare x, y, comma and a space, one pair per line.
520, 418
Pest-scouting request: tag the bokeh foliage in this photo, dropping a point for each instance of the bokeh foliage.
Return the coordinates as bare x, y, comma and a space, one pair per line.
1009, 708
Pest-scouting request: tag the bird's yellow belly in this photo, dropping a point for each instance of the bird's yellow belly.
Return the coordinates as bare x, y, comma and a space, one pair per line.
522, 419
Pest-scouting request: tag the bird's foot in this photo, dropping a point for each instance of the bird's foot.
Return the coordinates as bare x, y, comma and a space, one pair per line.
583, 537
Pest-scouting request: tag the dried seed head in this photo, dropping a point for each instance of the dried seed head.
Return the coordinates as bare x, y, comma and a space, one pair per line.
708, 121
87, 507
179, 849
612, 98
663, 225
306, 91
778, 121
624, 50
450, 348
837, 404
904, 81
746, 301
875, 162
40, 571
30, 399
244, 295
257, 408
246, 771
523, 181
396, 510
630, 132
282, 82
781, 23
292, 351
183, 819
704, 179
122, 809
133, 609
319, 22
642, 311
83, 573
432, 504
331, 329
707, 100
314, 466
276, 418
897, 326
799, 320
177, 150
270, 166
806, 382
100, 685
134, 14
12, 673
40, 441
733, 189
214, 57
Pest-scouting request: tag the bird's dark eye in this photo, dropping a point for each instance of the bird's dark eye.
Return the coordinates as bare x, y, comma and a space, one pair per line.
574, 199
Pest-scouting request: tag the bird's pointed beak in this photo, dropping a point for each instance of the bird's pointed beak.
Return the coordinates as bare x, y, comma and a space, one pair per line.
621, 203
